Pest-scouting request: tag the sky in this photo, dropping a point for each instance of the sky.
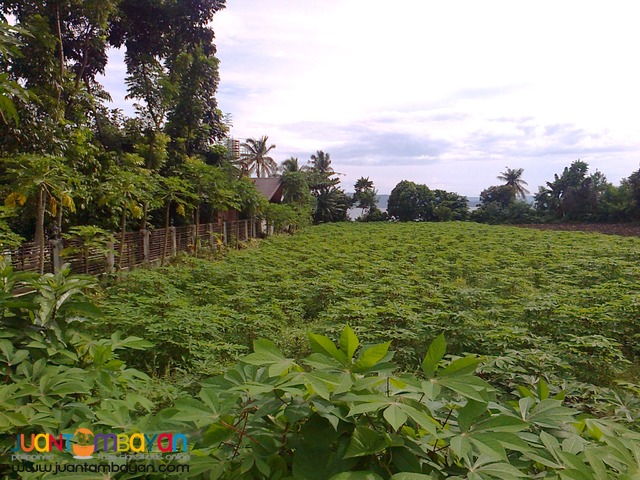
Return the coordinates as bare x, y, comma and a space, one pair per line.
445, 93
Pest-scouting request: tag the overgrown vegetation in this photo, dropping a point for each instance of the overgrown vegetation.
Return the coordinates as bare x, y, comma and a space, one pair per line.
539, 380
557, 304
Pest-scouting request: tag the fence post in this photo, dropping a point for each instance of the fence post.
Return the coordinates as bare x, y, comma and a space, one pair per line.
145, 245
246, 230
194, 234
253, 228
56, 246
111, 256
225, 240
174, 241
212, 237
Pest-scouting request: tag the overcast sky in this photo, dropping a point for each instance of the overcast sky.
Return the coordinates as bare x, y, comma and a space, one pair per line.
446, 93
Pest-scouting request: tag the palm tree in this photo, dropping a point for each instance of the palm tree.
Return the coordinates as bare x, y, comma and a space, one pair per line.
291, 165
256, 159
321, 162
513, 179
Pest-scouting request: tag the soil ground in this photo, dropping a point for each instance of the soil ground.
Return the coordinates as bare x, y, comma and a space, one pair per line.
626, 229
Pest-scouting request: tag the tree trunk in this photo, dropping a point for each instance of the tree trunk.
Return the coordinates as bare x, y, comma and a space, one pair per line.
166, 233
195, 240
123, 226
143, 223
60, 53
59, 220
39, 235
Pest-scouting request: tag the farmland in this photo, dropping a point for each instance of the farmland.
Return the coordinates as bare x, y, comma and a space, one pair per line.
346, 351
559, 304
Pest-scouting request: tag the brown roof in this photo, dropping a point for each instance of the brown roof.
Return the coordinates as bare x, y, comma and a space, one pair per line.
270, 188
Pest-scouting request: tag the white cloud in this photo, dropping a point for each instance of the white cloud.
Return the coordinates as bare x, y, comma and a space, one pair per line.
446, 93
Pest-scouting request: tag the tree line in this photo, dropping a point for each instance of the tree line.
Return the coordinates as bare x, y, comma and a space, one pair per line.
69, 163
575, 195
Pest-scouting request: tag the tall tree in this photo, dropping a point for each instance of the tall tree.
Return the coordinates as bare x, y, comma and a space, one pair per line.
332, 203
291, 164
256, 158
513, 178
44, 180
365, 196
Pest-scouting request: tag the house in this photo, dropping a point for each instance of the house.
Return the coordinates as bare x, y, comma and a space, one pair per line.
271, 188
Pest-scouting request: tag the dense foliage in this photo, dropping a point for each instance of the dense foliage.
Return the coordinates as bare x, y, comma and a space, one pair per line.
411, 201
537, 319
67, 160
557, 304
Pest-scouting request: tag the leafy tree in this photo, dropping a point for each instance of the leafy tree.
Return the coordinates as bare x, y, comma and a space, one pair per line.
403, 201
10, 90
127, 188
573, 195
175, 191
93, 240
256, 159
332, 203
291, 164
513, 179
43, 180
365, 196
410, 201
296, 188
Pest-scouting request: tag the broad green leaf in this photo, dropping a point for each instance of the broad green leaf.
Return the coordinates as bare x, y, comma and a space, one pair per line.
423, 419
365, 441
436, 351
594, 457
543, 389
469, 413
464, 388
395, 416
411, 476
501, 423
323, 345
461, 366
549, 413
348, 342
488, 445
267, 347
370, 356
503, 471
460, 445
361, 475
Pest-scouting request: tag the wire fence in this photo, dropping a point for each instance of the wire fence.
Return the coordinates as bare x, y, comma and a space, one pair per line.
139, 248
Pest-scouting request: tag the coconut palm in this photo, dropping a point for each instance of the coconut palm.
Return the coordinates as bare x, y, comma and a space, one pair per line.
513, 179
321, 162
291, 164
256, 159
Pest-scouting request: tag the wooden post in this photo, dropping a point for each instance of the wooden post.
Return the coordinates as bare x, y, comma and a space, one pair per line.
145, 244
56, 247
246, 230
174, 241
111, 257
194, 235
225, 239
212, 237
253, 228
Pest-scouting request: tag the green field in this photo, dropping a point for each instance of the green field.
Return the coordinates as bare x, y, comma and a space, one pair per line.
563, 304
397, 352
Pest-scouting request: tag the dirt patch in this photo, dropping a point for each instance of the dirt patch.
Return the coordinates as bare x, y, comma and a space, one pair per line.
626, 229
